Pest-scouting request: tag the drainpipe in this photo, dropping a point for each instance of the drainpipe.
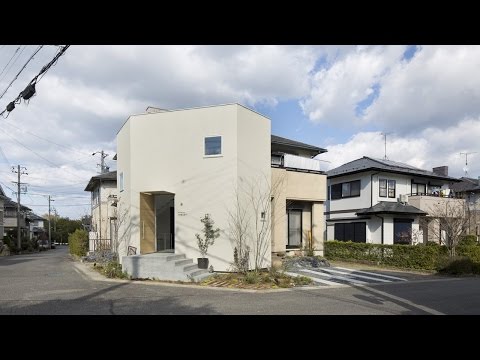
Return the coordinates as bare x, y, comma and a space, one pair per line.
382, 224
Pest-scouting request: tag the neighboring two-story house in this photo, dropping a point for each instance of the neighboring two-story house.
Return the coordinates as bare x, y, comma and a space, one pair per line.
175, 166
103, 190
10, 218
382, 201
469, 189
36, 225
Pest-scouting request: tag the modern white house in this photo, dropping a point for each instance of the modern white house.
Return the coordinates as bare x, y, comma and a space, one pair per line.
36, 226
175, 166
103, 190
382, 201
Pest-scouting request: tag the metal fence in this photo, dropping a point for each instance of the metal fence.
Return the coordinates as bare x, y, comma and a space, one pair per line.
100, 245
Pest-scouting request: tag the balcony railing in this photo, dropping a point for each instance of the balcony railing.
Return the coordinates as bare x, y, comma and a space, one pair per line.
295, 162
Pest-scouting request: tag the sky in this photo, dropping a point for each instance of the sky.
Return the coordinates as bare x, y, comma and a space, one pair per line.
426, 99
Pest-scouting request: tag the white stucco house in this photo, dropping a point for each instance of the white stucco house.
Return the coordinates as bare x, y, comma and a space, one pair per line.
175, 166
103, 188
382, 201
2, 199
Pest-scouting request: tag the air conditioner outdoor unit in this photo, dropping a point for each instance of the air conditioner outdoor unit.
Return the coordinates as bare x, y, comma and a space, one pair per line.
403, 198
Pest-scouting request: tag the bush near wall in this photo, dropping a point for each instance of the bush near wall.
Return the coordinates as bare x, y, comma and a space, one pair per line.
78, 242
403, 256
470, 251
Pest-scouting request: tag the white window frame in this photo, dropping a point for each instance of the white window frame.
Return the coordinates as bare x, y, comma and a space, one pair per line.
221, 146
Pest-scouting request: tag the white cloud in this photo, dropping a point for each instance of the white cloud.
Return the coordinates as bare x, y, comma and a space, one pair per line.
429, 148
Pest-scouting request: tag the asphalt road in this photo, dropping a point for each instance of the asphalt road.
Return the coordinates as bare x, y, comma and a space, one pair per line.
51, 283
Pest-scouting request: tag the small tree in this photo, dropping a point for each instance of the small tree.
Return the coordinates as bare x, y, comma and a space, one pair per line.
209, 235
452, 223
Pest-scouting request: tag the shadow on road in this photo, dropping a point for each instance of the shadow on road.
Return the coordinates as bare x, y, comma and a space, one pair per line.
107, 301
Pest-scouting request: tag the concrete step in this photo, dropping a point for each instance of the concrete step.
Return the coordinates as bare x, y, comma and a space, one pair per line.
196, 272
190, 267
175, 257
200, 277
183, 262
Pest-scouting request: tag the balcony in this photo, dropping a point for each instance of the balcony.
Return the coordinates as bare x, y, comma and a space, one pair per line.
295, 162
430, 203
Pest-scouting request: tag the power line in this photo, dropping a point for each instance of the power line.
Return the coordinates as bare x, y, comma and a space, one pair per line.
16, 51
14, 61
23, 68
29, 91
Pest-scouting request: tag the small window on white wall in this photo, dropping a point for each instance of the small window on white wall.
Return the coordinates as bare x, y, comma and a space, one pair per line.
120, 180
213, 145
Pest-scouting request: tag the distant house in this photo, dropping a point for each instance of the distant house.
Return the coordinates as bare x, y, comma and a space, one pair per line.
2, 200
10, 218
104, 193
36, 225
382, 201
469, 189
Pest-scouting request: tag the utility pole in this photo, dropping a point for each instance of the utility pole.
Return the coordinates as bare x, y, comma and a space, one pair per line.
20, 171
49, 221
103, 167
466, 161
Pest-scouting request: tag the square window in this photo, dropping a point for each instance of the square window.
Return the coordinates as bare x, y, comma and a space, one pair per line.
213, 145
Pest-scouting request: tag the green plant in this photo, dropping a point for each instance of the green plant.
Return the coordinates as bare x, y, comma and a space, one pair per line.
309, 249
468, 240
241, 261
302, 280
252, 277
112, 269
209, 235
78, 243
403, 256
458, 266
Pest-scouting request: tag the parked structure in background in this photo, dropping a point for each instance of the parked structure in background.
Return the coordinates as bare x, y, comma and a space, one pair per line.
469, 189
103, 188
175, 166
386, 202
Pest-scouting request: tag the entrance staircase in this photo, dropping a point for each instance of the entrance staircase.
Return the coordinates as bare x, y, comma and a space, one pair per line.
163, 266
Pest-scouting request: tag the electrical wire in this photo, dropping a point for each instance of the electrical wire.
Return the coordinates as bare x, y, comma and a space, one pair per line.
21, 70
14, 61
16, 51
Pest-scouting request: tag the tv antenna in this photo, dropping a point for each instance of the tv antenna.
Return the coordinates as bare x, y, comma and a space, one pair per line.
385, 142
466, 161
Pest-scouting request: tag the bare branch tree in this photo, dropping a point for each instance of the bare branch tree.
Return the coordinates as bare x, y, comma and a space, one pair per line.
451, 223
251, 221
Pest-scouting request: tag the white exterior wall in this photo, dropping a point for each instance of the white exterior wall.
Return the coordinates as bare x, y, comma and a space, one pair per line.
1, 219
165, 152
102, 225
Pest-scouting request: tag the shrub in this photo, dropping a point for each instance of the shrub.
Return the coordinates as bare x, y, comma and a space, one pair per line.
404, 256
78, 242
468, 240
459, 266
470, 251
252, 277
302, 280
112, 269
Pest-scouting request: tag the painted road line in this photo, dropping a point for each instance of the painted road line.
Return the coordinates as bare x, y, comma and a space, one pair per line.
369, 273
355, 275
321, 281
333, 277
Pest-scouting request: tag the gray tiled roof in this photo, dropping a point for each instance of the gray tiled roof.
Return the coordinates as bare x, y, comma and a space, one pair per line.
9, 203
366, 163
466, 184
391, 207
110, 176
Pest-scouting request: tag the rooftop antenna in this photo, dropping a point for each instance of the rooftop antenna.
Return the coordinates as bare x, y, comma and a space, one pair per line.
385, 142
466, 161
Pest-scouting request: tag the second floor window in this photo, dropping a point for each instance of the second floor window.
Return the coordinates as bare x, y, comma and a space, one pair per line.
345, 190
213, 145
387, 188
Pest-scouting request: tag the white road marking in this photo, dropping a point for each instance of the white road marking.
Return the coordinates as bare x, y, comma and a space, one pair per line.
369, 273
322, 281
355, 275
329, 276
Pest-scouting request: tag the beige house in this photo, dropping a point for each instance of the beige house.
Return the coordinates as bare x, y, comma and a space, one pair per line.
103, 210
175, 166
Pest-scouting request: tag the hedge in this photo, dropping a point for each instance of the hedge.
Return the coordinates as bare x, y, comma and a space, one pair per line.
78, 242
470, 251
403, 256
